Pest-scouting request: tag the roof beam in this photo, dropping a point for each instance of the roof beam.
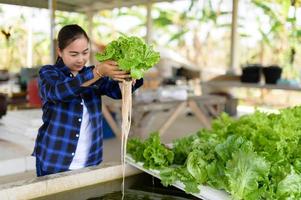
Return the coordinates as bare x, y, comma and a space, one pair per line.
82, 5
103, 5
40, 4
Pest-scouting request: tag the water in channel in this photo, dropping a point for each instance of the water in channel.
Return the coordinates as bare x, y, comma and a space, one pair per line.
137, 195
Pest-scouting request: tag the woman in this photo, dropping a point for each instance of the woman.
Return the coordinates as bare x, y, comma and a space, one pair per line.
71, 135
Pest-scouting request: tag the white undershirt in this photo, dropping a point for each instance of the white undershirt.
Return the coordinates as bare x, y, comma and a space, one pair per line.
84, 142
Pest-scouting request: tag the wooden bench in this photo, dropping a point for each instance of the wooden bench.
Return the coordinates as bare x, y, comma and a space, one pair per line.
204, 107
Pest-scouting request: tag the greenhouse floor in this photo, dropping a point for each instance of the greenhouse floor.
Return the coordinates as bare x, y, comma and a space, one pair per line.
18, 129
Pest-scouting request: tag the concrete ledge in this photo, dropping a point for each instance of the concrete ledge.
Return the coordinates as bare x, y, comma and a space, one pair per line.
17, 165
52, 184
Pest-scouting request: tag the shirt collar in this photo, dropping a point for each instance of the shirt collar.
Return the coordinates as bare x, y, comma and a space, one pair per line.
62, 67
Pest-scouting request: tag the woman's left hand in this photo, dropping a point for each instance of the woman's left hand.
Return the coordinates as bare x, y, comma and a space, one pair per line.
110, 68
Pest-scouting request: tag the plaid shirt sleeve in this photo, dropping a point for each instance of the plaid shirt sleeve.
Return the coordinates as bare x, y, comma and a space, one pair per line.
55, 87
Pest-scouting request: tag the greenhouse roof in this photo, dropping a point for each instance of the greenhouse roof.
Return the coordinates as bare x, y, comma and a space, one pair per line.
81, 5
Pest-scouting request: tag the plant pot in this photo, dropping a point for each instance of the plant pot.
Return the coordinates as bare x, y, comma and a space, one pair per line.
272, 74
251, 73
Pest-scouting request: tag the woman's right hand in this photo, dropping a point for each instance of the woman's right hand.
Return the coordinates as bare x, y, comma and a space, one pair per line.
110, 68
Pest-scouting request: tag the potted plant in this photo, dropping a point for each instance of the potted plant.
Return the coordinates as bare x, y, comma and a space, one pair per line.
251, 73
272, 74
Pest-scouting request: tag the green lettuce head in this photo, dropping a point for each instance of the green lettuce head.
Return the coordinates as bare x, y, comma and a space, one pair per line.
132, 55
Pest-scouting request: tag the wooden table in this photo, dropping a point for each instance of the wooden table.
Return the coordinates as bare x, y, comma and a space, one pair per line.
238, 84
230, 87
203, 107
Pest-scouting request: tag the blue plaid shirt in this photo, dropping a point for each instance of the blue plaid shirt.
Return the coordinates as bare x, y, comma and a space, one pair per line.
62, 96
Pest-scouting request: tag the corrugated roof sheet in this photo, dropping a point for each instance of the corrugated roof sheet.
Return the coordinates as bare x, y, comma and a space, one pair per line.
81, 5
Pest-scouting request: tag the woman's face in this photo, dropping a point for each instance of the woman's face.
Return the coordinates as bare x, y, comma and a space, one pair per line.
76, 54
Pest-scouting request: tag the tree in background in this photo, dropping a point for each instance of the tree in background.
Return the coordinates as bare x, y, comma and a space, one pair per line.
13, 43
200, 31
191, 31
281, 36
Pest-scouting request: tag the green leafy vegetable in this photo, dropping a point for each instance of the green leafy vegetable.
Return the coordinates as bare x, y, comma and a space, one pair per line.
245, 172
151, 152
136, 147
257, 156
172, 174
290, 186
196, 166
132, 55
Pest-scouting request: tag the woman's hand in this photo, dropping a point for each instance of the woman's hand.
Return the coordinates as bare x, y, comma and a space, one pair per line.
110, 68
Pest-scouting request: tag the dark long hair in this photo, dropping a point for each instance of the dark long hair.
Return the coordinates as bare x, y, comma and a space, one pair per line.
67, 35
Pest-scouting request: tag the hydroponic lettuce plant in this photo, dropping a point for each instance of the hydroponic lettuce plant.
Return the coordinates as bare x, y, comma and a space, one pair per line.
135, 57
132, 55
255, 157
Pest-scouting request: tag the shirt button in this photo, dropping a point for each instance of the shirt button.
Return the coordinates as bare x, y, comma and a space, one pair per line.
71, 75
73, 154
81, 103
79, 119
77, 135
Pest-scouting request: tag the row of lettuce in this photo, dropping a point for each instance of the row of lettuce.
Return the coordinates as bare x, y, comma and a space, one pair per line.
257, 156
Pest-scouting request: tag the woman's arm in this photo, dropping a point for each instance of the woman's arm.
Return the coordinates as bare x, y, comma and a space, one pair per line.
107, 77
96, 77
54, 86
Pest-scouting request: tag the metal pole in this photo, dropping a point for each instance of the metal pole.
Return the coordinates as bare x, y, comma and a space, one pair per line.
234, 38
149, 22
51, 7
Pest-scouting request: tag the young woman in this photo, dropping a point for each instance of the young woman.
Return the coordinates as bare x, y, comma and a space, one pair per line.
71, 135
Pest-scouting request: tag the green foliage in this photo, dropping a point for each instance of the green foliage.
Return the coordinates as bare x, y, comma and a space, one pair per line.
290, 186
182, 147
151, 152
136, 147
131, 54
65, 18
247, 173
257, 156
282, 29
172, 174
164, 19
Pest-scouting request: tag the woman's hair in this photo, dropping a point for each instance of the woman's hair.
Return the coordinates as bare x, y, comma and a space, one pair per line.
68, 34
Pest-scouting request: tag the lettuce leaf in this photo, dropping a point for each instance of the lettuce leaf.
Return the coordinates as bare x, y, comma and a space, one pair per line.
257, 156
132, 55
154, 154
247, 173
290, 186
